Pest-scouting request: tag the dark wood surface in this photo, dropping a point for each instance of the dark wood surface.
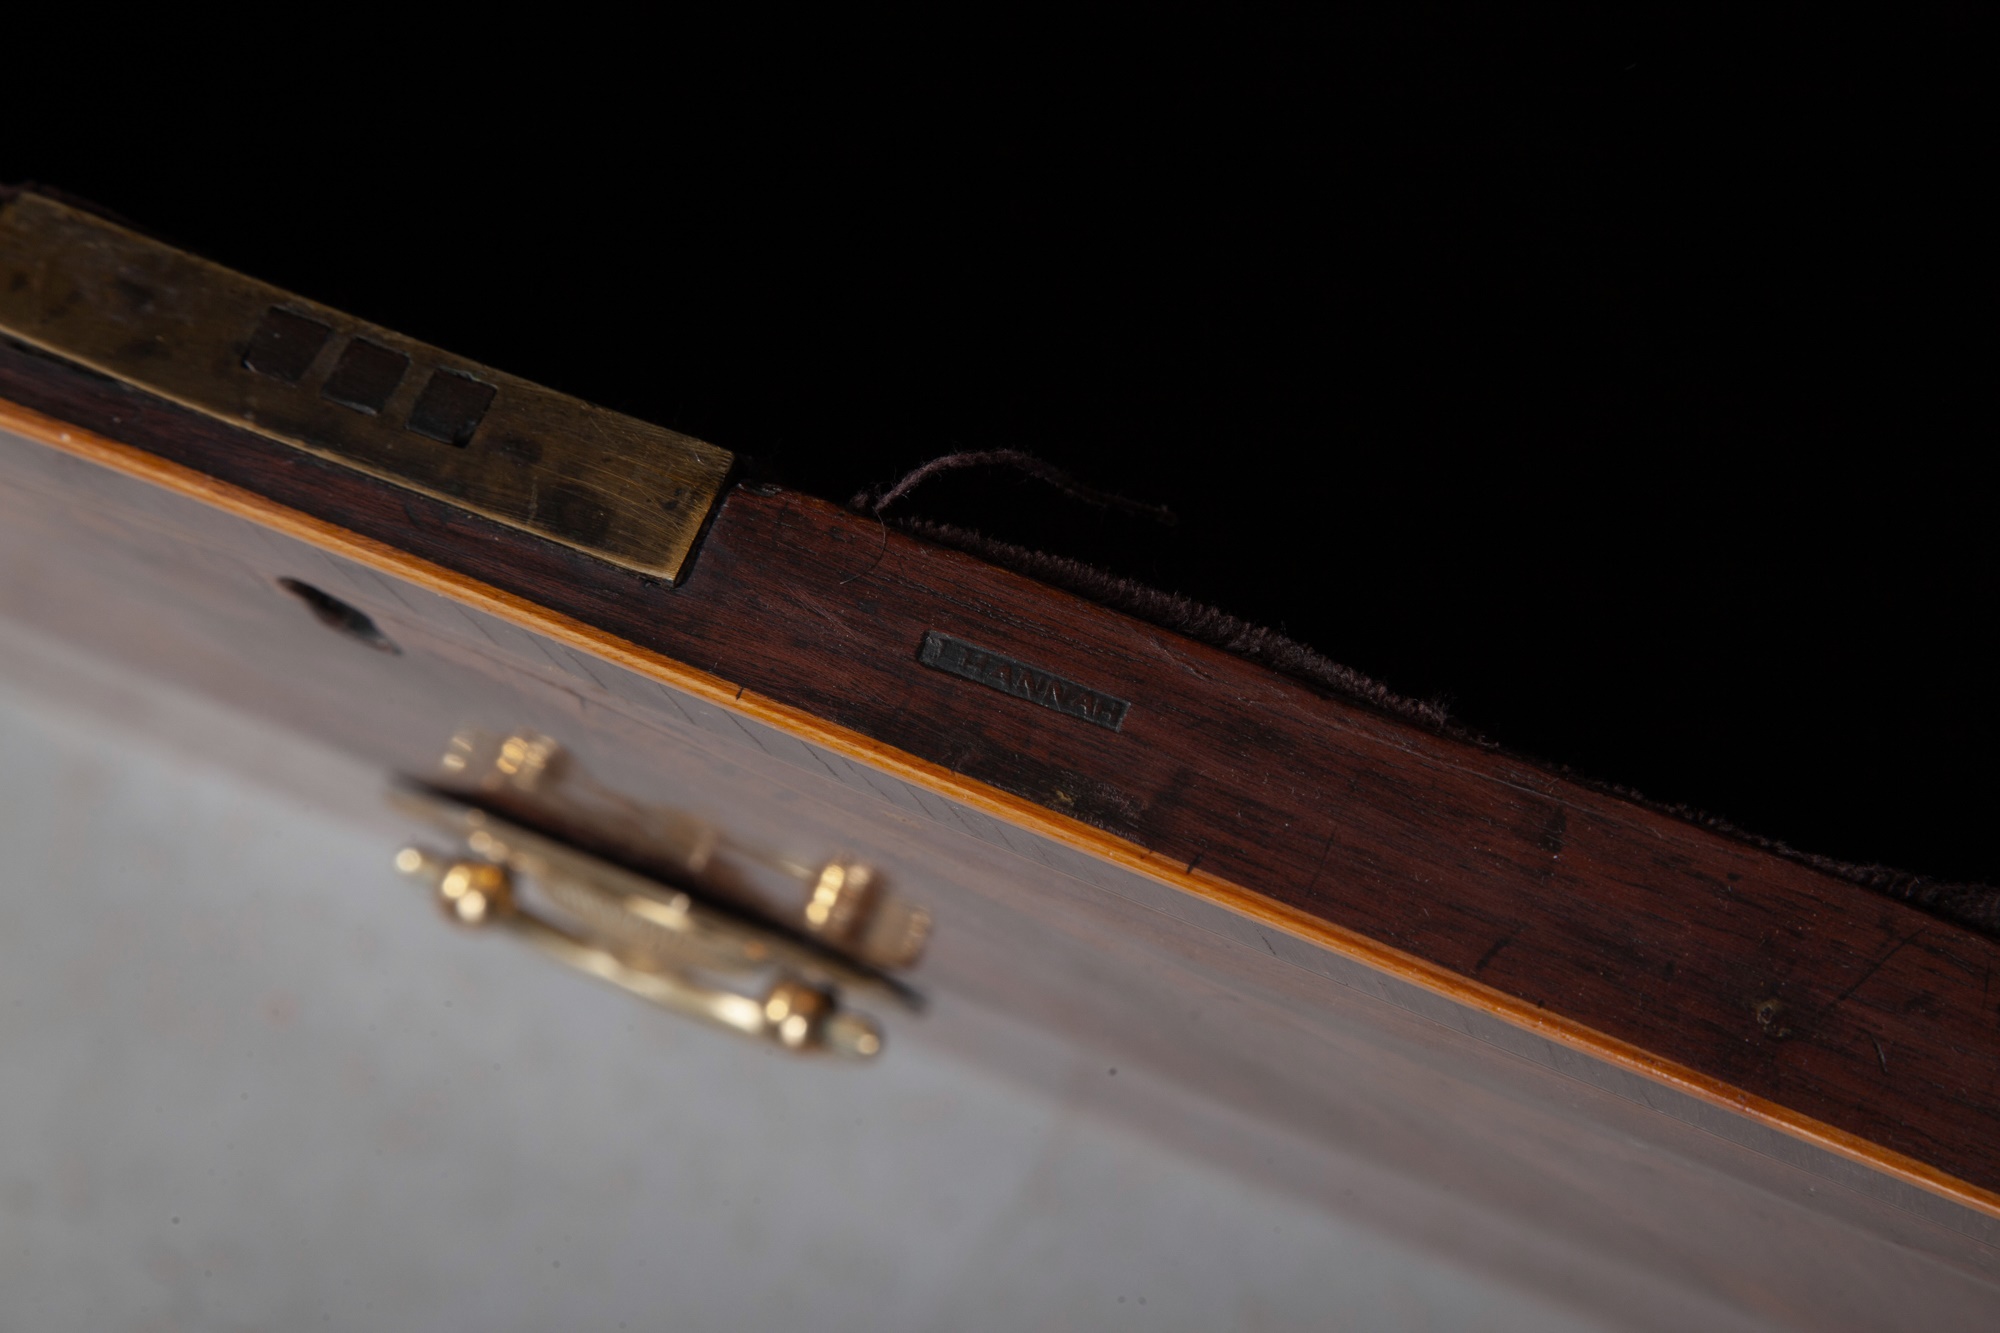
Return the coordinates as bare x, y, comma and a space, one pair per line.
1790, 985
1241, 1033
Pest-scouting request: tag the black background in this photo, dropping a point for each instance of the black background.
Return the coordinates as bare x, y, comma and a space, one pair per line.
1628, 389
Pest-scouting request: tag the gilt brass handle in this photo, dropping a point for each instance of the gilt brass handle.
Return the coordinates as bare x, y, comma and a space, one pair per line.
644, 937
844, 905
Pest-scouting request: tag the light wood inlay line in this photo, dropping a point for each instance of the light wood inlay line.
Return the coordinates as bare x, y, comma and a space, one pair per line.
721, 693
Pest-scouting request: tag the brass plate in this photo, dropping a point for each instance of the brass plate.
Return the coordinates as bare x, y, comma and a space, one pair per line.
255, 356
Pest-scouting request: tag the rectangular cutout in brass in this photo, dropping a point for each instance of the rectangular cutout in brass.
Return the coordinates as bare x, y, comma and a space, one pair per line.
256, 357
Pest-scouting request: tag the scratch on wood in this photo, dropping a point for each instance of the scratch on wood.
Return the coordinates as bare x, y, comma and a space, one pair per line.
884, 550
1881, 1055
1498, 945
1319, 869
1880, 963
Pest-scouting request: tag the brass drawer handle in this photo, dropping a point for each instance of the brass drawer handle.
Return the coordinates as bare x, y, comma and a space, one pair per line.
642, 936
841, 904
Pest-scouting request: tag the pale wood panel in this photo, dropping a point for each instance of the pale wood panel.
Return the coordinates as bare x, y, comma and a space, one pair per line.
1922, 1003
1582, 1157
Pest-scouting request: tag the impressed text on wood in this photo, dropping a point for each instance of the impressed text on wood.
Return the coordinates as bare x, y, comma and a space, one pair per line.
1021, 680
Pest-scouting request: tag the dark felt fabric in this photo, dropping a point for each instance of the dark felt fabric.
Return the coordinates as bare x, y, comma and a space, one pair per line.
1974, 905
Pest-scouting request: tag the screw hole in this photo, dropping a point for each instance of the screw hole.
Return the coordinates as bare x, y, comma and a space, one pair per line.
1772, 1017
338, 615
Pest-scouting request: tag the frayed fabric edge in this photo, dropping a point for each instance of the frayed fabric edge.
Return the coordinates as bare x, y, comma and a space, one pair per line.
1975, 906
1182, 615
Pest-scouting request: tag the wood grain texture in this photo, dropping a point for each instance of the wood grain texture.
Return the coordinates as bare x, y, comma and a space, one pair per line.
1757, 974
1233, 1040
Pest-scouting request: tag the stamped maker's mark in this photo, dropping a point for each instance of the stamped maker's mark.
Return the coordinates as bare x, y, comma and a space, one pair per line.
1022, 681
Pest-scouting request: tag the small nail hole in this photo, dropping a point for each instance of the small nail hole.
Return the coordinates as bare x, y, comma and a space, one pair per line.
336, 614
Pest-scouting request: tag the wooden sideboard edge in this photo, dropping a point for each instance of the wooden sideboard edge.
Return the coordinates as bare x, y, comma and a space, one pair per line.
1022, 813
